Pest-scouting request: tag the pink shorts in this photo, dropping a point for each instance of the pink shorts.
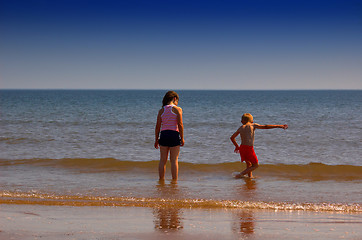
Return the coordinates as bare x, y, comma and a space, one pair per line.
247, 154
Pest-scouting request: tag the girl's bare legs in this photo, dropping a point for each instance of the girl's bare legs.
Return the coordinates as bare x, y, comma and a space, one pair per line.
174, 153
163, 159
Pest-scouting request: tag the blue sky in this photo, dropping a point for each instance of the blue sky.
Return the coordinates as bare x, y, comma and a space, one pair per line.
174, 44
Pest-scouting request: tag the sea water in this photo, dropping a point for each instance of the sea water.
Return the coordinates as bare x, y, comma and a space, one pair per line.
94, 147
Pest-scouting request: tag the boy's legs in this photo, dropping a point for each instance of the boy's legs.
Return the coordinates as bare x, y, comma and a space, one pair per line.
163, 159
249, 168
248, 155
248, 165
174, 153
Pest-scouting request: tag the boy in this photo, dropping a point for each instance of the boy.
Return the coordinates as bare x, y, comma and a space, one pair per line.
246, 149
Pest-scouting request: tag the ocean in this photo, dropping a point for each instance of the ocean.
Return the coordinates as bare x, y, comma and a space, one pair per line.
95, 148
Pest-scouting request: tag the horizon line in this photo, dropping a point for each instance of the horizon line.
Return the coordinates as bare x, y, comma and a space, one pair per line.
181, 89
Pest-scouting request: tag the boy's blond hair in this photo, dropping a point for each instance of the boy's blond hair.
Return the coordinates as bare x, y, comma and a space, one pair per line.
247, 117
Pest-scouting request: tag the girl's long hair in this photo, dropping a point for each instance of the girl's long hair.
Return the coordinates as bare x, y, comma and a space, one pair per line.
169, 96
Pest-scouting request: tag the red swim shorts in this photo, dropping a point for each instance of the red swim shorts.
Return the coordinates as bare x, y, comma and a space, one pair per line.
247, 154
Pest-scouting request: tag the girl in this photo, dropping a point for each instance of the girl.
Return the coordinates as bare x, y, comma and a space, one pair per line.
169, 124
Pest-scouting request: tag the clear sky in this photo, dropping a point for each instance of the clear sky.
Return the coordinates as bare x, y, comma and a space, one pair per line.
181, 44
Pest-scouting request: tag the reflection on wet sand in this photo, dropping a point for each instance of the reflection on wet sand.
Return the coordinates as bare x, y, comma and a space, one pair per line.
244, 223
167, 218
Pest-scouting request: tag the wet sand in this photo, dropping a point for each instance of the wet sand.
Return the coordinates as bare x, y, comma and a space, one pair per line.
23, 222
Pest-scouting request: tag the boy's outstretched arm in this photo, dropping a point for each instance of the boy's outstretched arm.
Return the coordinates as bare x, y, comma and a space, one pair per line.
232, 138
285, 126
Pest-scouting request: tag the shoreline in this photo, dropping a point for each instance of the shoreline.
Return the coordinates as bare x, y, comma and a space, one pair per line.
104, 222
16, 198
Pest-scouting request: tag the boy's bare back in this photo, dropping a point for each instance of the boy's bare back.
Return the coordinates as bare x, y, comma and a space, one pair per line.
247, 133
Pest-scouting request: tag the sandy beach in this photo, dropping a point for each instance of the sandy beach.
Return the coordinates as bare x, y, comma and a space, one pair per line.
23, 222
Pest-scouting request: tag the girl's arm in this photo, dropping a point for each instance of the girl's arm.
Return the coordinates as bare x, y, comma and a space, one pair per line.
158, 128
180, 124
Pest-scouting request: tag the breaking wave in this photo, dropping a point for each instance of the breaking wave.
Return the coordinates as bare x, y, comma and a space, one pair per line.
311, 171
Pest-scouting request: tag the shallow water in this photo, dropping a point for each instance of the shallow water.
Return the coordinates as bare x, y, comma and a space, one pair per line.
96, 148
